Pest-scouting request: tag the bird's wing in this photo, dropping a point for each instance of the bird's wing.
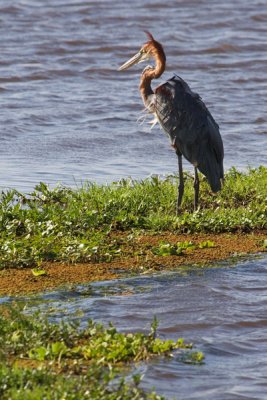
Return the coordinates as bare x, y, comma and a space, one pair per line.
189, 124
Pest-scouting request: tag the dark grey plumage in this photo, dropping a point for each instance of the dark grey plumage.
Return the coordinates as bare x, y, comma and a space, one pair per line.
191, 128
184, 117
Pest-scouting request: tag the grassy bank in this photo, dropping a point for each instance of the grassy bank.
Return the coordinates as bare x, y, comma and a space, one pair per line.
41, 360
67, 225
95, 232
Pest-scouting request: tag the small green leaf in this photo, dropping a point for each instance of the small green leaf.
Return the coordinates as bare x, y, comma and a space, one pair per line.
167, 249
58, 348
186, 245
38, 272
195, 357
38, 353
207, 244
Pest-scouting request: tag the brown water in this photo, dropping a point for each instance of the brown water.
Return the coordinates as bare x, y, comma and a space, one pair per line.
68, 115
223, 311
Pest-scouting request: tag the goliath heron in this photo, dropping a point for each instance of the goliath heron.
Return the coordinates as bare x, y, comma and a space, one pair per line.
184, 117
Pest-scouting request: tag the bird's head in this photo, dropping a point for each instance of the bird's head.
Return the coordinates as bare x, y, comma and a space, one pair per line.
150, 49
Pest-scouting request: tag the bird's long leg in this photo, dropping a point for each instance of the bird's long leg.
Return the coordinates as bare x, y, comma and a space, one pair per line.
196, 187
181, 183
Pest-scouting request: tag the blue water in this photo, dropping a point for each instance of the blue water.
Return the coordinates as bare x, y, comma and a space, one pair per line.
67, 115
222, 310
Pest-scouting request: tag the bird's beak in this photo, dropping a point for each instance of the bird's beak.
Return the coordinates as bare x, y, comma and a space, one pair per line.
139, 57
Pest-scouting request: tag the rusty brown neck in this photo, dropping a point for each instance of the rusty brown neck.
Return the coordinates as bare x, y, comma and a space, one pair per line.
148, 75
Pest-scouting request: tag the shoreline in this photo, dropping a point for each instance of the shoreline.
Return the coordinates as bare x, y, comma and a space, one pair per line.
137, 258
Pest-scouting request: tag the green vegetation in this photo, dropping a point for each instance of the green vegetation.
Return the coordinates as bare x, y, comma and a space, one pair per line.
42, 360
38, 272
68, 225
168, 249
207, 244
178, 249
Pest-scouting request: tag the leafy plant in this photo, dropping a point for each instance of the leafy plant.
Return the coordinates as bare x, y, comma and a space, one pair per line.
38, 272
195, 357
68, 362
186, 245
206, 244
167, 249
75, 225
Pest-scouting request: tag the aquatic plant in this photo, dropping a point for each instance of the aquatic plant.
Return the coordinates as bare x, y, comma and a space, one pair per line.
167, 249
75, 225
40, 359
178, 249
206, 244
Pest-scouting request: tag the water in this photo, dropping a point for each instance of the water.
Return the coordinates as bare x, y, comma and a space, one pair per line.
221, 310
67, 115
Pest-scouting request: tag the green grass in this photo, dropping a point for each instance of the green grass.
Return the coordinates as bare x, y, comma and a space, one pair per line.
42, 360
40, 384
73, 225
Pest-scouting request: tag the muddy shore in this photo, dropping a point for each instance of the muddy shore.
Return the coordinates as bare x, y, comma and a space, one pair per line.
137, 258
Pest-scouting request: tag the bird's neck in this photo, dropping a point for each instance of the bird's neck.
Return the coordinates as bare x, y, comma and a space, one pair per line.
146, 78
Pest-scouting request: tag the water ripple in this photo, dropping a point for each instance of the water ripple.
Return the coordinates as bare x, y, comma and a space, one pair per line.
221, 310
72, 49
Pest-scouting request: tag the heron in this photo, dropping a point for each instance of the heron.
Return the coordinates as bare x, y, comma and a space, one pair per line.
185, 119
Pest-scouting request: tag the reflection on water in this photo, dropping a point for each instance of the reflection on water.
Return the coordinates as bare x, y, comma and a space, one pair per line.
221, 310
68, 115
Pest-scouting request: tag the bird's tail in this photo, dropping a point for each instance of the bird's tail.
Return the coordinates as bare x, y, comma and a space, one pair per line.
213, 170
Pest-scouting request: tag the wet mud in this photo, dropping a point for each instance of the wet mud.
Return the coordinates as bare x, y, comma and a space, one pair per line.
136, 257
